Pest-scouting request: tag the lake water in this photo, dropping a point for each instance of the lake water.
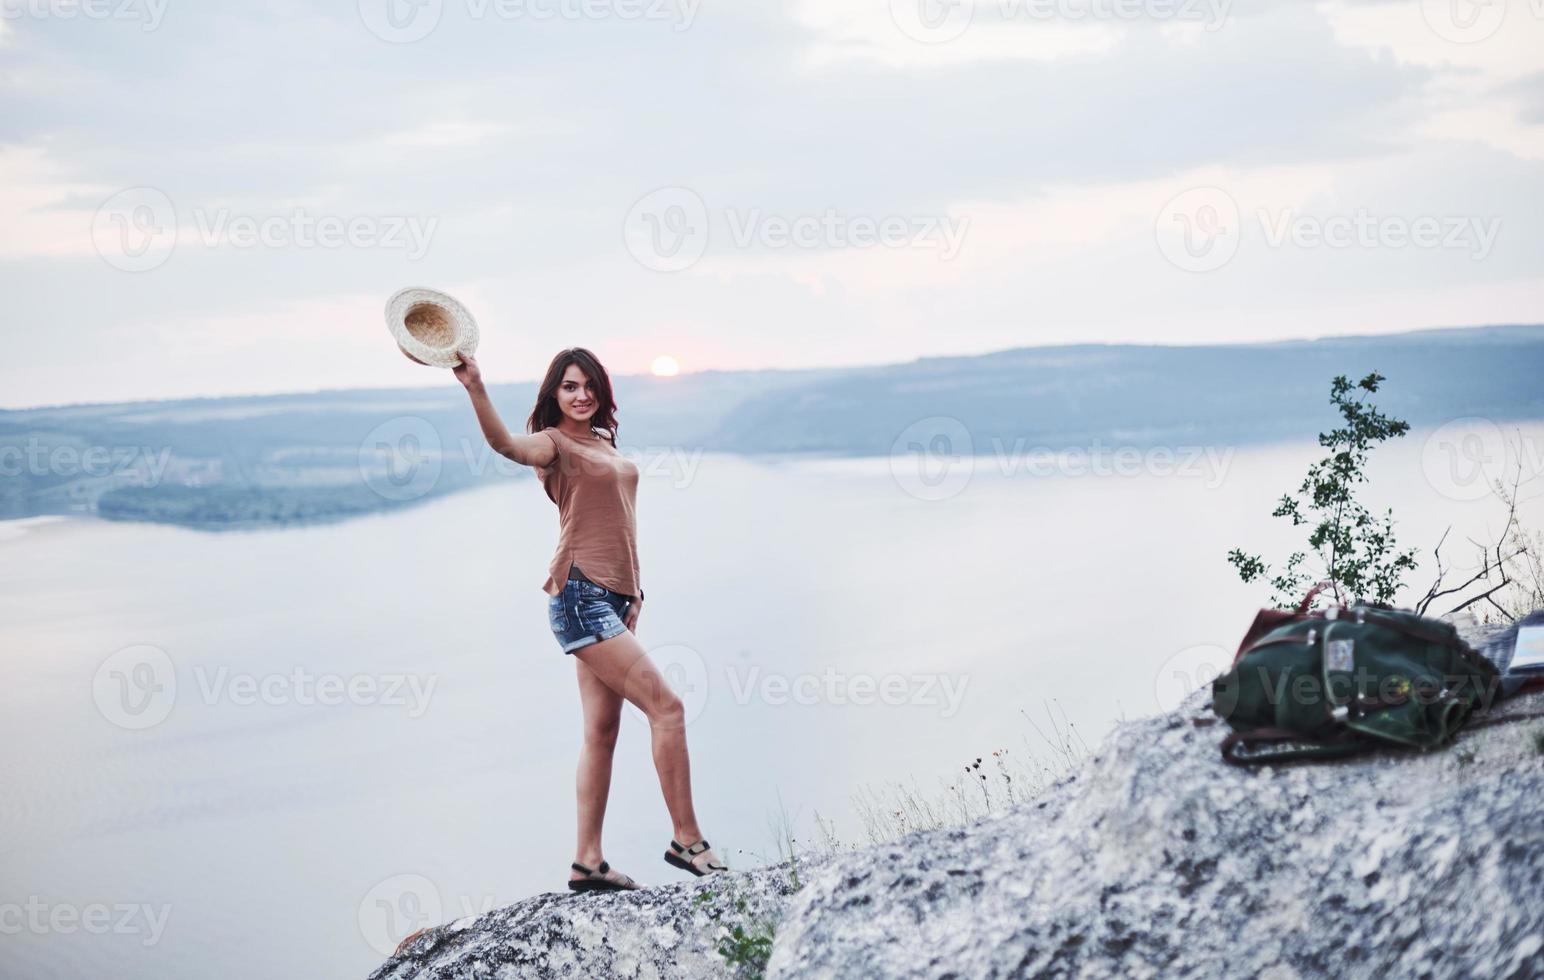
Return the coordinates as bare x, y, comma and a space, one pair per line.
216, 761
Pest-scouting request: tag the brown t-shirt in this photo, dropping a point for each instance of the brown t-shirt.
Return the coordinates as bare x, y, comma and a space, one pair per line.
595, 488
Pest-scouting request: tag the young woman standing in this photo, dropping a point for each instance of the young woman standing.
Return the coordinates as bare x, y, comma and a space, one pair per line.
594, 598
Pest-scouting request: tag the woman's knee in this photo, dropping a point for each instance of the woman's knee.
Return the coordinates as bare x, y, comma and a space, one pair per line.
667, 710
602, 734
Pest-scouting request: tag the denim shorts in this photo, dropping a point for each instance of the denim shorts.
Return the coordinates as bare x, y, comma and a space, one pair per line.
585, 613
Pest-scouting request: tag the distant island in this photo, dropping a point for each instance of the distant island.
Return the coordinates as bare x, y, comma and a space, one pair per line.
277, 460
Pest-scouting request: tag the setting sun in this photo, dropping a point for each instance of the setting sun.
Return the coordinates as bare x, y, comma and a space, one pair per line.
665, 366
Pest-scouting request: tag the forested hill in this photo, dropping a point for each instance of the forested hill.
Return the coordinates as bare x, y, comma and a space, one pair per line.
326, 455
1148, 395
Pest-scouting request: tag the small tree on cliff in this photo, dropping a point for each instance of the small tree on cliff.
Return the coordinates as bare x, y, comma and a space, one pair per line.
1353, 550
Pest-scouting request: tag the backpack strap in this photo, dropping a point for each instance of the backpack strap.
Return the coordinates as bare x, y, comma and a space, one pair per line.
1267, 620
1302, 607
1257, 746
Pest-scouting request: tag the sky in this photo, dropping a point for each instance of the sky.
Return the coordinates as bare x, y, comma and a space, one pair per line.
211, 197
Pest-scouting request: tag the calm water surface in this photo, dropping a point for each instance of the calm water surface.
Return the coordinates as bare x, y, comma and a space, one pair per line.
828, 630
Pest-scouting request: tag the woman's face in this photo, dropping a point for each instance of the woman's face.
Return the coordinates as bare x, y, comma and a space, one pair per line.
576, 395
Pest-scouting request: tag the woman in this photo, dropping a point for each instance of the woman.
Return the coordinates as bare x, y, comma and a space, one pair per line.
594, 599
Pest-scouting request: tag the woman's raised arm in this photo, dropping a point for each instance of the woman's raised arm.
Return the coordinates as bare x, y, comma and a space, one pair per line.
531, 450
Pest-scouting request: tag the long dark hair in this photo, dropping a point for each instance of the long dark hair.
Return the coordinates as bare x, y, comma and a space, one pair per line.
547, 414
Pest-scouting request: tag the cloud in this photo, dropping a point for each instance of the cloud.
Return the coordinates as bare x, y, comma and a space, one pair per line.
44, 213
1477, 88
528, 144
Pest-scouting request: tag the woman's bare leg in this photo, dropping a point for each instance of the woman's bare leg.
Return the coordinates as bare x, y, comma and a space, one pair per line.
602, 718
622, 665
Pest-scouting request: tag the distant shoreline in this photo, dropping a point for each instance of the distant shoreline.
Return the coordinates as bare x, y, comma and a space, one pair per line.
298, 507
319, 458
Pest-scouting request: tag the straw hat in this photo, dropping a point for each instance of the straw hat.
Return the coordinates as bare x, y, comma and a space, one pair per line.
430, 326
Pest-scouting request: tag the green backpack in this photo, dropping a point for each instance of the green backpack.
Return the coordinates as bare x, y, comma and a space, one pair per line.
1346, 679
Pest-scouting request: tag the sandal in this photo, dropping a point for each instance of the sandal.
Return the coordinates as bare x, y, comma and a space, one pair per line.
689, 863
600, 879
